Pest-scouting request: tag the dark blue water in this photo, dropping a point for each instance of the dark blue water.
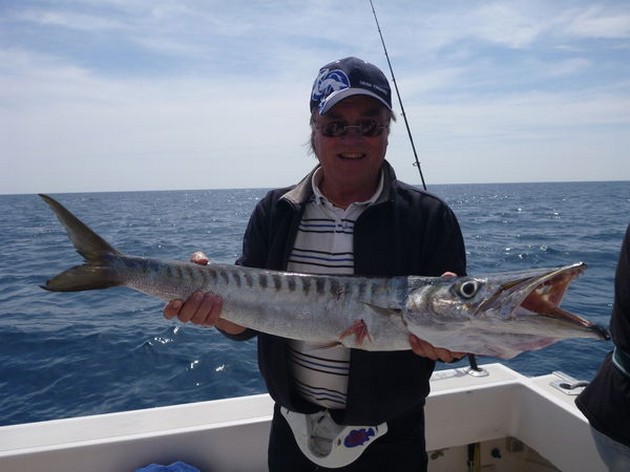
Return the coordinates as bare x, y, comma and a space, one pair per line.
65, 355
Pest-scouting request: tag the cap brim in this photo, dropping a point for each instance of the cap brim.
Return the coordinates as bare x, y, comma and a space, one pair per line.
340, 95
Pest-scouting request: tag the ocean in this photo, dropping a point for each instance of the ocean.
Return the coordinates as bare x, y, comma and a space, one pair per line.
75, 354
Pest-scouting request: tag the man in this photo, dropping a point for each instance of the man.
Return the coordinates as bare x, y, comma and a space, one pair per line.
606, 400
350, 215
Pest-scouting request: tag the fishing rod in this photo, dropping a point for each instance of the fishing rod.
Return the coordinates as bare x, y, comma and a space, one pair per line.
472, 359
402, 108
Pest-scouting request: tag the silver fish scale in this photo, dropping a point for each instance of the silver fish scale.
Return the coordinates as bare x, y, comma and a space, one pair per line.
312, 307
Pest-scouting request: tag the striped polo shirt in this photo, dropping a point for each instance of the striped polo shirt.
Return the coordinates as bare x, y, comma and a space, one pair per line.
324, 245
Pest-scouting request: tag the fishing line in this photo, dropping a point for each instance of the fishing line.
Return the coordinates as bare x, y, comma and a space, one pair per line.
472, 359
402, 108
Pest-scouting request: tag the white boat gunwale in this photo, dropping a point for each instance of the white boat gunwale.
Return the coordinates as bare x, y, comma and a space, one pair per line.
231, 434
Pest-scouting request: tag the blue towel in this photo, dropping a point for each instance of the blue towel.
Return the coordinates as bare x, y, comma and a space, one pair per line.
174, 467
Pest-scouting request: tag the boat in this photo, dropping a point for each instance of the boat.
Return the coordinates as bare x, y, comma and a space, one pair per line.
490, 419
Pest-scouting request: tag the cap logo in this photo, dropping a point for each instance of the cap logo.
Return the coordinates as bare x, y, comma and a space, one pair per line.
327, 82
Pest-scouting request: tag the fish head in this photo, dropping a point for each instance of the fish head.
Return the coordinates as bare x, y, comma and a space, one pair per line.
499, 315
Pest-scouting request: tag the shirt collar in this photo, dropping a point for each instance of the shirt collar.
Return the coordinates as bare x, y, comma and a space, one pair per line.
320, 199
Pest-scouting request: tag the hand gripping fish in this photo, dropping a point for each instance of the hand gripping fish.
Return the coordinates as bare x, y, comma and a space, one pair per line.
500, 315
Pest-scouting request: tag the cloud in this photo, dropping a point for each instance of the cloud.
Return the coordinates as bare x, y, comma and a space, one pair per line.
71, 20
143, 95
506, 24
598, 22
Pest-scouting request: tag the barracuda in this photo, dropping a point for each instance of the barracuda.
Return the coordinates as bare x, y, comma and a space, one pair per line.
499, 315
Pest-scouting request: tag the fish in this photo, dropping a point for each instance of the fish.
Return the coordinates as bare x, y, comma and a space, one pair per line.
498, 315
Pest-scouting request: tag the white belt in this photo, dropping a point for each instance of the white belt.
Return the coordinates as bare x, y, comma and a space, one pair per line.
327, 443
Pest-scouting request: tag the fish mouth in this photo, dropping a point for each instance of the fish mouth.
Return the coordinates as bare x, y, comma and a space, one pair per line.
539, 293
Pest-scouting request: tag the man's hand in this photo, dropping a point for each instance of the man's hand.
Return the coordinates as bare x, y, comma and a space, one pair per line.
203, 309
200, 308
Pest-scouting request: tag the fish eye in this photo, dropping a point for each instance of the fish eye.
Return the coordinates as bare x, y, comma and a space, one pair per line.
468, 289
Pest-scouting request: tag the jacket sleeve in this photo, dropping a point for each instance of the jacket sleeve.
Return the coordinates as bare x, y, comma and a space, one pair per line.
256, 238
444, 244
620, 321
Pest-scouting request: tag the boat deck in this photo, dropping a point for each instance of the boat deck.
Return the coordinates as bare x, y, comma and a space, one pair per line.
501, 409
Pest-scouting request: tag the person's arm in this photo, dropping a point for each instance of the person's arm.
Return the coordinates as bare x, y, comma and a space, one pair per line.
620, 320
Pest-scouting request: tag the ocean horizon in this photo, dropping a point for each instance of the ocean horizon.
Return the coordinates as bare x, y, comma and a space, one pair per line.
431, 187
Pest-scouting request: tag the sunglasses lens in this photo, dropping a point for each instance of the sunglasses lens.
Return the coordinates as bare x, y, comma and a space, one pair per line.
335, 129
369, 128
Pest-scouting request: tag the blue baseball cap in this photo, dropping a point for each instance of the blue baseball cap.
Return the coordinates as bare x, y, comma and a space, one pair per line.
345, 78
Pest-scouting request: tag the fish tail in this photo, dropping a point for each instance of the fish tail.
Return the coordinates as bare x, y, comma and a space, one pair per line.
98, 271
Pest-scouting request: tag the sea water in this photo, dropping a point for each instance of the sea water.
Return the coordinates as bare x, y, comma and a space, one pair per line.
73, 354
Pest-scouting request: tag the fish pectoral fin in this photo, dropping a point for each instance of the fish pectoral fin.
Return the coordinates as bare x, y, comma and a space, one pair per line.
382, 310
359, 329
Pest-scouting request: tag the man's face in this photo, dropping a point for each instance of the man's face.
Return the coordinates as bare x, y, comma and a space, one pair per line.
352, 159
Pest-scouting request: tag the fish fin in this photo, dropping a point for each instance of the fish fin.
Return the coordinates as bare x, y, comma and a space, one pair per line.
330, 344
98, 271
87, 243
85, 277
359, 329
381, 310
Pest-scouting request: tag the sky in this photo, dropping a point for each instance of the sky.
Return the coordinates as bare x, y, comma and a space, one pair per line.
117, 95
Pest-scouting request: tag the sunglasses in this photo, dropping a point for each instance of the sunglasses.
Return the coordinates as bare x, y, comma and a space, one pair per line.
336, 129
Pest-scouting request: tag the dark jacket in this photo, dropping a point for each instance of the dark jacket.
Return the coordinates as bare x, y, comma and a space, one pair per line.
407, 231
606, 400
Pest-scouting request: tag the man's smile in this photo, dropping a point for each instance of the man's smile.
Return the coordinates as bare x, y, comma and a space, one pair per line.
352, 155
